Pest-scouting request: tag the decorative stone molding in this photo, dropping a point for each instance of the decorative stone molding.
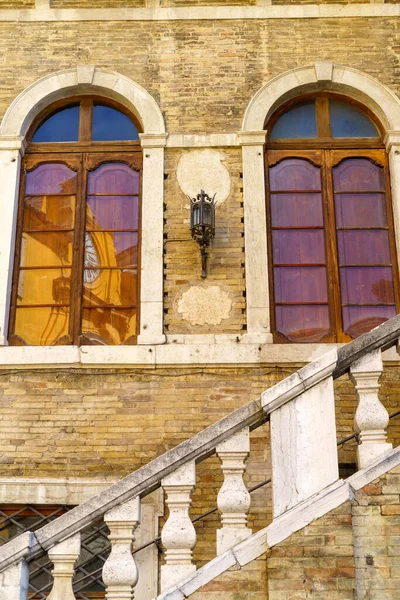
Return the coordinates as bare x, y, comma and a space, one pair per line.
63, 556
371, 418
178, 535
204, 170
13, 128
323, 71
204, 304
233, 498
120, 572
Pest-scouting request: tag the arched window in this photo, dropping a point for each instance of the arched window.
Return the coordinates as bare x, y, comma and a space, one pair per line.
330, 231
77, 248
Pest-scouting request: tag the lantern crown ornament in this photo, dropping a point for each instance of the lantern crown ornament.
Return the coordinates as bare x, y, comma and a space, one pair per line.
202, 224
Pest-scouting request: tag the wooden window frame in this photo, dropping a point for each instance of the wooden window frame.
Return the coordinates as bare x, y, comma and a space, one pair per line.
320, 151
82, 157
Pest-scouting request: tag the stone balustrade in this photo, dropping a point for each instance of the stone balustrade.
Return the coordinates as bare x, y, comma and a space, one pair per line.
301, 410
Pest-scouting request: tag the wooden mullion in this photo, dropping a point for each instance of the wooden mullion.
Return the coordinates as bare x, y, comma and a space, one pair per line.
42, 305
328, 143
78, 254
299, 265
332, 253
45, 267
85, 121
84, 146
323, 117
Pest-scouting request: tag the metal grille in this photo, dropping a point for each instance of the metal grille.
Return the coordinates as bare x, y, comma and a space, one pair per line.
95, 548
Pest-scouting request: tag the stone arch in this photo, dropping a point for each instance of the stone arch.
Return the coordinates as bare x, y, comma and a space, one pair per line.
327, 76
81, 80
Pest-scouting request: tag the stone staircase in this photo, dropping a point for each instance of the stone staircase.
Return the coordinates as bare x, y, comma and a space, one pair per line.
305, 482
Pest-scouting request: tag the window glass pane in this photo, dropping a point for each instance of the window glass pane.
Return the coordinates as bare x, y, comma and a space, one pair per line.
50, 178
111, 124
350, 121
297, 122
112, 212
49, 212
360, 319
62, 126
46, 249
113, 179
303, 323
109, 325
298, 246
366, 285
111, 249
300, 284
42, 326
365, 247
358, 175
360, 210
111, 286
294, 174
296, 210
44, 286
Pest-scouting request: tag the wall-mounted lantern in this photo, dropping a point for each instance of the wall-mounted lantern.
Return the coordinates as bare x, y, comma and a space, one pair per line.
202, 224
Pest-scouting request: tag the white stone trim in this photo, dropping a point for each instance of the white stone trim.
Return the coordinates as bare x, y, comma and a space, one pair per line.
346, 80
210, 13
17, 120
154, 356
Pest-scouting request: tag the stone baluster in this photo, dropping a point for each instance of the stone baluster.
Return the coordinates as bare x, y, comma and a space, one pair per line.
233, 498
178, 535
120, 573
371, 418
63, 556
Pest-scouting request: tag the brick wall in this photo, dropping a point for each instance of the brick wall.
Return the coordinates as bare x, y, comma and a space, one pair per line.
376, 527
202, 73
352, 552
249, 583
316, 562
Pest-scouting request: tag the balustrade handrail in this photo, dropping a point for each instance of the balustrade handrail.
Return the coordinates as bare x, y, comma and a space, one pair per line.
203, 444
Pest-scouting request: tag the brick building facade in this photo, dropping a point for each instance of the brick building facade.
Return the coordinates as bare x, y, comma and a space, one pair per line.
202, 78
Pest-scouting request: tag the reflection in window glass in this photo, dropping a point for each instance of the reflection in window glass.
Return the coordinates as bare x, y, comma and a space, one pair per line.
349, 121
110, 124
62, 126
298, 122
